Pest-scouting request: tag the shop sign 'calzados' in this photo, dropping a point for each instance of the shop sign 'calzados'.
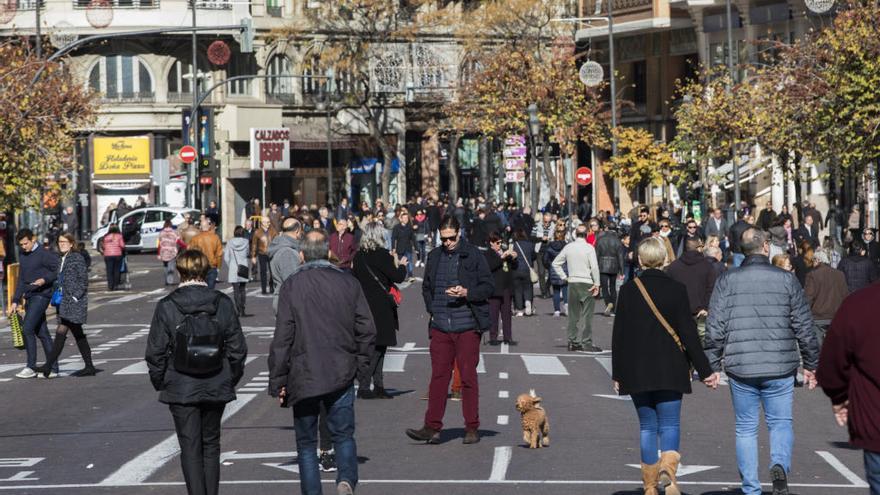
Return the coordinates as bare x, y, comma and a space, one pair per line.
270, 149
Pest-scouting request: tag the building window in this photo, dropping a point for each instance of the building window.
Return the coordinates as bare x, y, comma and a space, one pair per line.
280, 89
180, 81
241, 64
312, 85
275, 8
122, 77
640, 83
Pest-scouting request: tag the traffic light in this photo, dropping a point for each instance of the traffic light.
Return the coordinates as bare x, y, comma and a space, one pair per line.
247, 35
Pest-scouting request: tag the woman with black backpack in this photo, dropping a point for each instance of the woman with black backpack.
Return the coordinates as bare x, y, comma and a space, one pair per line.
195, 354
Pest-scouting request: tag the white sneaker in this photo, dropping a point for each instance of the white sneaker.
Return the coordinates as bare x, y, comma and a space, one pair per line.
53, 374
565, 308
26, 373
519, 313
556, 314
528, 308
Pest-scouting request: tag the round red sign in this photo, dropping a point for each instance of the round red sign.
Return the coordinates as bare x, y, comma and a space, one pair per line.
584, 176
187, 154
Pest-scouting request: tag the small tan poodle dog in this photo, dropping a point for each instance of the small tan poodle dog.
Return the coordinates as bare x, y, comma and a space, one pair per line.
535, 425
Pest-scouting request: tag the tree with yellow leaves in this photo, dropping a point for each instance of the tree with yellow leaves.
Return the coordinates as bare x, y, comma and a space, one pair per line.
642, 160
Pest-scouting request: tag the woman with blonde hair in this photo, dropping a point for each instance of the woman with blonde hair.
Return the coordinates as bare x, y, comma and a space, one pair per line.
654, 345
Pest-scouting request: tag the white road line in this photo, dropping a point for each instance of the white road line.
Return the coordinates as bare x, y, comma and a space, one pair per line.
5, 379
503, 394
250, 390
133, 297
139, 368
544, 365
500, 463
503, 375
842, 469
605, 361
481, 365
503, 419
140, 468
263, 373
394, 363
504, 348
260, 379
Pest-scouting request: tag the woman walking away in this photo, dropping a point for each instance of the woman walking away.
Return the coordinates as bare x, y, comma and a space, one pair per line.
654, 344
502, 265
195, 355
169, 245
235, 257
113, 247
377, 271
523, 288
560, 287
73, 282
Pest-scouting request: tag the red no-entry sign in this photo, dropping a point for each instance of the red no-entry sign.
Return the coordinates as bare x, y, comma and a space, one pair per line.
584, 176
187, 154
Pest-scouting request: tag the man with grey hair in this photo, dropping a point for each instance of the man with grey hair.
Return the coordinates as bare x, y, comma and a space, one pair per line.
316, 352
578, 266
284, 256
759, 331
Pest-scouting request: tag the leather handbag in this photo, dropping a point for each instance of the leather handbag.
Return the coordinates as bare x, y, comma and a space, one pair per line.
672, 333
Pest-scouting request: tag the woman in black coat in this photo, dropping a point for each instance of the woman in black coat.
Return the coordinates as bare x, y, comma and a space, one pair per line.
650, 366
523, 288
196, 401
73, 282
560, 287
502, 264
377, 271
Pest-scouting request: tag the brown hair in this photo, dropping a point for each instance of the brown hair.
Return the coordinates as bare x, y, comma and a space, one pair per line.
779, 260
74, 247
559, 235
192, 264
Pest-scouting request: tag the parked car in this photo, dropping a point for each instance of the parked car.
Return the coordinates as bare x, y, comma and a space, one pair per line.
140, 228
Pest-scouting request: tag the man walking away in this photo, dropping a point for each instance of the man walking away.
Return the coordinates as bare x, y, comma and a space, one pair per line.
208, 242
456, 287
849, 374
315, 355
583, 286
609, 252
284, 256
736, 230
37, 273
761, 355
696, 272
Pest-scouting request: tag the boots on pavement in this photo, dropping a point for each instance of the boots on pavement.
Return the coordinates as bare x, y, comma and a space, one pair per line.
650, 475
669, 461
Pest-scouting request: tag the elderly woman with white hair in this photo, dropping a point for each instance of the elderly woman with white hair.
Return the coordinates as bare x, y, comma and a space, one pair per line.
654, 345
378, 270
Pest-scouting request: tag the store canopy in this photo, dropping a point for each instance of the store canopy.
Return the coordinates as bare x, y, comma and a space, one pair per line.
368, 165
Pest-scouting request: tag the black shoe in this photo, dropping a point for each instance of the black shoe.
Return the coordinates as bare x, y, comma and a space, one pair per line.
327, 462
365, 393
494, 342
574, 347
43, 370
425, 434
87, 371
511, 342
471, 436
780, 480
380, 393
591, 349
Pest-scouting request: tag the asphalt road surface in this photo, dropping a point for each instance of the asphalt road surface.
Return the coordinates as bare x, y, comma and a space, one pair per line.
109, 434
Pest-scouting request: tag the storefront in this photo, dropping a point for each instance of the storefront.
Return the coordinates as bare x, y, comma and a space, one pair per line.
121, 168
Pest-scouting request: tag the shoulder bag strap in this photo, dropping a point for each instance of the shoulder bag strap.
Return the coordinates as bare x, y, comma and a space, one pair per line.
659, 316
370, 270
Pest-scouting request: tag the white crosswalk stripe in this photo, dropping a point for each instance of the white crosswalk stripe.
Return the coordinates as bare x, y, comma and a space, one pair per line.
544, 365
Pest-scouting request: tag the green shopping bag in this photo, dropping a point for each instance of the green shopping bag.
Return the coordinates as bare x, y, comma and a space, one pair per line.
17, 337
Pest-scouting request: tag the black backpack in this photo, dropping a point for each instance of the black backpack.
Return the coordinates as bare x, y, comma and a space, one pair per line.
198, 343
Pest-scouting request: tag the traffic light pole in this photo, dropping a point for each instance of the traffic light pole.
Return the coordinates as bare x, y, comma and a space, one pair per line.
194, 119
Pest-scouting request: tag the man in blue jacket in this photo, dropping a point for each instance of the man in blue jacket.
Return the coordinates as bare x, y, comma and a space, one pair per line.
456, 288
38, 271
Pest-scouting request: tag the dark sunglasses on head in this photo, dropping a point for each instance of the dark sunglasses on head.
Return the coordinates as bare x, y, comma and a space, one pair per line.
450, 238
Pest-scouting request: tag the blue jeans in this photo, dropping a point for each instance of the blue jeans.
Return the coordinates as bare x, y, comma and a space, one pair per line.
775, 395
410, 262
211, 277
560, 293
872, 471
659, 416
33, 326
738, 259
340, 421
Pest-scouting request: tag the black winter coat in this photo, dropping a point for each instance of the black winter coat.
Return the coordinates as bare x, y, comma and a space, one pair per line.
324, 333
550, 253
473, 274
859, 271
382, 307
609, 254
403, 238
503, 278
696, 272
645, 357
525, 251
74, 279
177, 388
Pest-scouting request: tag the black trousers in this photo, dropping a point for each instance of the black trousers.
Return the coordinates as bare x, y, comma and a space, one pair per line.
239, 295
374, 371
608, 283
543, 275
113, 264
198, 431
265, 276
523, 289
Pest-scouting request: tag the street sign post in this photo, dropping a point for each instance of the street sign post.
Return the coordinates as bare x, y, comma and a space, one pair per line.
187, 154
584, 176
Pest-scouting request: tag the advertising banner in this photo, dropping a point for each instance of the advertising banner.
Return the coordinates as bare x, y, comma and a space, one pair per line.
270, 149
121, 155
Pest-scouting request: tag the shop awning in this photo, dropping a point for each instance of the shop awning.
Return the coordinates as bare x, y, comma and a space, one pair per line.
368, 165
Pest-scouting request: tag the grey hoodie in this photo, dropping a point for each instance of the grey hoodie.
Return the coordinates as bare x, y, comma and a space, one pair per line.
283, 261
236, 253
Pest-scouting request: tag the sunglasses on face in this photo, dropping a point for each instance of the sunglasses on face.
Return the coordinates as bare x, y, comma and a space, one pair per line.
665, 227
692, 227
448, 239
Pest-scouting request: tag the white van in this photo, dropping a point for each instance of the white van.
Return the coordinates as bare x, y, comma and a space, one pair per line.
140, 228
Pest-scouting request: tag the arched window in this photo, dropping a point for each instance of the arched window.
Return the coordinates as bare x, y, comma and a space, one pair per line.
312, 85
280, 89
122, 77
241, 64
180, 80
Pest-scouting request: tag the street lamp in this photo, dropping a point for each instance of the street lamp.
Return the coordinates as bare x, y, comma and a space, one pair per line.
325, 104
730, 68
534, 131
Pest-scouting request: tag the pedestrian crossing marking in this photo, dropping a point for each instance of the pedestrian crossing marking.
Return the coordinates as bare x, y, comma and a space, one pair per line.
503, 419
481, 365
139, 368
394, 363
544, 365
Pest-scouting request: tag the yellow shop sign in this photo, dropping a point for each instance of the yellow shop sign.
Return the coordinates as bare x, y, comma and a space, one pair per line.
121, 155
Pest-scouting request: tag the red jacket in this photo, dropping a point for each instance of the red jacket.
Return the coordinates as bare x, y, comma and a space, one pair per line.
849, 368
344, 249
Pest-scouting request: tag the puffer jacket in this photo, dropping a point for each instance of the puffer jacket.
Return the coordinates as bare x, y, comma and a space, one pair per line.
609, 253
178, 388
758, 320
859, 272
551, 251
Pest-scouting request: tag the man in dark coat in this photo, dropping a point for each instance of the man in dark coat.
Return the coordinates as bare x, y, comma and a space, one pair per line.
695, 271
849, 374
766, 217
808, 231
736, 230
456, 289
315, 355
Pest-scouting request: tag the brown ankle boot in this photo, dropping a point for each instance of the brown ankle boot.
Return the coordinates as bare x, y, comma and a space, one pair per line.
668, 467
650, 475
